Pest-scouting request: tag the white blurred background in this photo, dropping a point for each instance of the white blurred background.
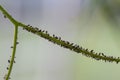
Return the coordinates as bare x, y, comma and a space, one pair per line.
74, 21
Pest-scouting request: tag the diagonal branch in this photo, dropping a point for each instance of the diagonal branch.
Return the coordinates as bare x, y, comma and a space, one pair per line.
57, 40
66, 44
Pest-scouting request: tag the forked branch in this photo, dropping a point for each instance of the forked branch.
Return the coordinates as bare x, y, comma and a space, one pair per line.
56, 40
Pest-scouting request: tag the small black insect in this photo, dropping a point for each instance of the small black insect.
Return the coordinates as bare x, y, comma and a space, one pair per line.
7, 68
56, 37
118, 57
53, 35
91, 51
86, 49
28, 25
5, 16
59, 38
8, 61
14, 62
43, 31
17, 42
11, 47
117, 62
46, 32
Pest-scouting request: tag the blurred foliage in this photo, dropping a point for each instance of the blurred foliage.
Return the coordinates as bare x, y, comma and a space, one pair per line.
110, 9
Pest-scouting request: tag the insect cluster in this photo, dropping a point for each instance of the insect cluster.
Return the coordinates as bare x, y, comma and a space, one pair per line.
71, 46
9, 61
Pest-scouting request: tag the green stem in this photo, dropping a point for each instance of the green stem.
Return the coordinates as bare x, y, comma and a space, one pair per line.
8, 15
56, 40
13, 52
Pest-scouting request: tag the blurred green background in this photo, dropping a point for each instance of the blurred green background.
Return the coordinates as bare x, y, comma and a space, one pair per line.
93, 24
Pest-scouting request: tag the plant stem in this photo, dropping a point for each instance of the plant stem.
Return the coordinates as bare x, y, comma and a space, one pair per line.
57, 40
13, 52
8, 15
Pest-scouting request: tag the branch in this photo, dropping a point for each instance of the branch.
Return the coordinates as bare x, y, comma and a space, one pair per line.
13, 54
57, 40
71, 46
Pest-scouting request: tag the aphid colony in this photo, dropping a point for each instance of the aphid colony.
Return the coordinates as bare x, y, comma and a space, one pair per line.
8, 68
9, 61
6, 77
71, 46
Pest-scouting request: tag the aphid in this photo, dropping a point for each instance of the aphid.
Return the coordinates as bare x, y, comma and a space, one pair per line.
86, 49
118, 57
5, 76
91, 51
11, 47
8, 61
71, 44
7, 68
59, 38
14, 57
105, 56
17, 42
33, 31
23, 28
53, 35
5, 16
56, 37
36, 28
102, 54
14, 62
43, 31
67, 42
111, 57
63, 41
39, 30
117, 62
99, 54
46, 32
31, 27
28, 25
80, 47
